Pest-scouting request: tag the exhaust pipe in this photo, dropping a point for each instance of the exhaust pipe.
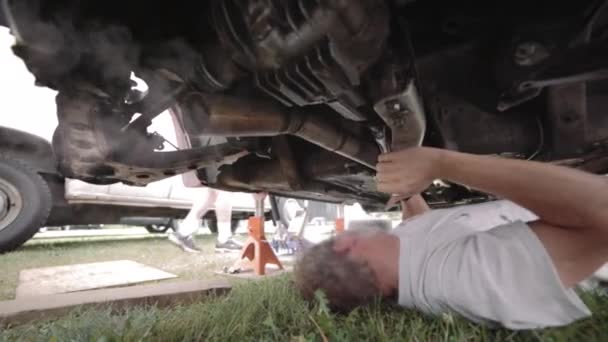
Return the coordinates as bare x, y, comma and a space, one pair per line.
222, 115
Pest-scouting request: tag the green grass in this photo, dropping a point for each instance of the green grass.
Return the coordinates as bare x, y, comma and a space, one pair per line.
270, 310
153, 250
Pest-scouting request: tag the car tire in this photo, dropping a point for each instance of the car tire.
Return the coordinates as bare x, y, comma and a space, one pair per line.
212, 224
160, 228
25, 203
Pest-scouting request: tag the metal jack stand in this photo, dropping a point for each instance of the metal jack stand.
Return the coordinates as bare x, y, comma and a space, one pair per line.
256, 252
340, 219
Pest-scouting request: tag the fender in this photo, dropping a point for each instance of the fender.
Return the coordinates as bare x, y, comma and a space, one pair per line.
36, 151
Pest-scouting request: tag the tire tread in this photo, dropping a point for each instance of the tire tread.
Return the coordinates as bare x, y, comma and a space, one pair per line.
42, 212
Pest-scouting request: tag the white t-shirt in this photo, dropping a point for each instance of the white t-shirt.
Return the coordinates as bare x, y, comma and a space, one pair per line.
452, 260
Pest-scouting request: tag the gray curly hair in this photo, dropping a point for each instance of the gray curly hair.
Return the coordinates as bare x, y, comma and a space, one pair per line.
347, 284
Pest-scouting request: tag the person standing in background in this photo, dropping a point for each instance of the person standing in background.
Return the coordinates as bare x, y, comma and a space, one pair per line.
210, 198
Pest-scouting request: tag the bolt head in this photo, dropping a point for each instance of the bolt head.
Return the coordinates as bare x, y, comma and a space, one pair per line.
529, 53
526, 49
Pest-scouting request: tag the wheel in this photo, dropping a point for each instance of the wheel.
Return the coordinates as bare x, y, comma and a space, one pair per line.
212, 224
160, 228
25, 203
157, 228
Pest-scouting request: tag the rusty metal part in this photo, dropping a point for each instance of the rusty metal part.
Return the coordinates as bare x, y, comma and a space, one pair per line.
266, 175
404, 115
223, 115
577, 64
288, 162
89, 146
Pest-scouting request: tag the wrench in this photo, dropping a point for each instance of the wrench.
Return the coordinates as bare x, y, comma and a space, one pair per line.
385, 147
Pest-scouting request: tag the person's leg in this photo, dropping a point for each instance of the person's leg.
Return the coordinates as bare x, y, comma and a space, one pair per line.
223, 212
183, 237
200, 206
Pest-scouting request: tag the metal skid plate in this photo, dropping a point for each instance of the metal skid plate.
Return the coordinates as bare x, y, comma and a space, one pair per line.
404, 114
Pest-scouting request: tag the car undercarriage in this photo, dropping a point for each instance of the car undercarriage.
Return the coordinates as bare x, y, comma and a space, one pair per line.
298, 98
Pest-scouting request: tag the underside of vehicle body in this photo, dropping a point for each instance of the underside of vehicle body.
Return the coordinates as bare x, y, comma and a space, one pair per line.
298, 98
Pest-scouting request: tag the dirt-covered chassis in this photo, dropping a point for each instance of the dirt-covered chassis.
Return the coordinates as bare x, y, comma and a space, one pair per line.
304, 94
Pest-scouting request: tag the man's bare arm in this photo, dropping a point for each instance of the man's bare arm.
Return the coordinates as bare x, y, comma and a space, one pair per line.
414, 206
572, 205
558, 195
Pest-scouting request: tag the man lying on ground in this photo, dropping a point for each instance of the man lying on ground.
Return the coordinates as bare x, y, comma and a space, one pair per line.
516, 275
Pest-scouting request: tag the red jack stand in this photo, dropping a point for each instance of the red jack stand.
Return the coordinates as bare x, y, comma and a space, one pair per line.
340, 219
256, 252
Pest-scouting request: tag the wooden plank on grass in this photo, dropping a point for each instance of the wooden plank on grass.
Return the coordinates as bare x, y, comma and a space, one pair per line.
28, 309
71, 278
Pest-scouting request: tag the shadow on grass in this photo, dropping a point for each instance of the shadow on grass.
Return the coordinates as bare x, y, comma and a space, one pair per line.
105, 241
72, 243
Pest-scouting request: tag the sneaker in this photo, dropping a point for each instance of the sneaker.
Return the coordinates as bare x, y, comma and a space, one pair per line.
185, 243
229, 246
